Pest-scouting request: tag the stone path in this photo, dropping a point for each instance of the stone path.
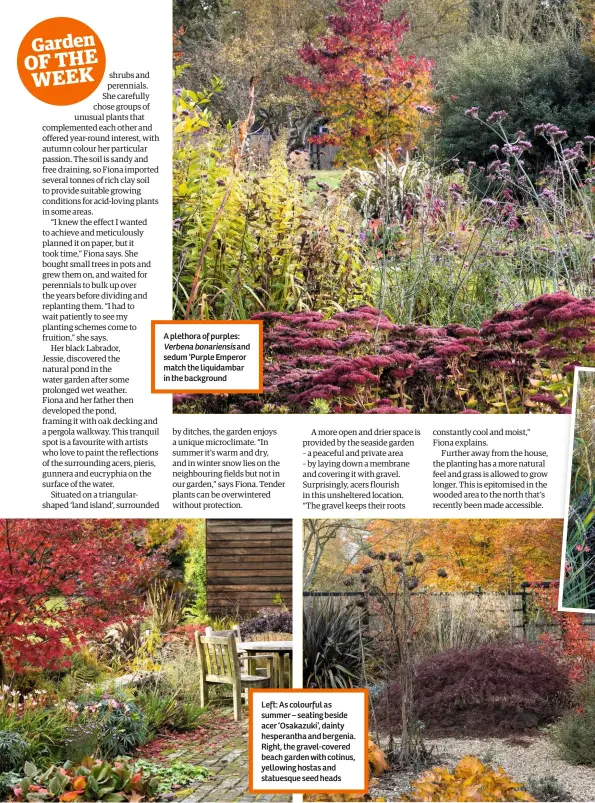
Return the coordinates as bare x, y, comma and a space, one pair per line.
222, 747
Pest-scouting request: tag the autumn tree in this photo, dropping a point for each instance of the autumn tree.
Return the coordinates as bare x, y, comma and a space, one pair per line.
496, 554
64, 580
329, 547
572, 644
182, 543
257, 39
370, 94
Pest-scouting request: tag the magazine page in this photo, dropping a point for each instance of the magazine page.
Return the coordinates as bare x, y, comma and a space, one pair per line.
298, 337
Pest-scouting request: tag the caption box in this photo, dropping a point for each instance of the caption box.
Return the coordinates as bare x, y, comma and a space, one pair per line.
206, 356
304, 740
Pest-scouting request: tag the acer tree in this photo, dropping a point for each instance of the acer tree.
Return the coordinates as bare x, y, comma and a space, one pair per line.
372, 96
572, 644
64, 580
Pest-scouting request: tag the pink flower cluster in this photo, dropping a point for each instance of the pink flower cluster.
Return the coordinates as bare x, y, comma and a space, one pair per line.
360, 362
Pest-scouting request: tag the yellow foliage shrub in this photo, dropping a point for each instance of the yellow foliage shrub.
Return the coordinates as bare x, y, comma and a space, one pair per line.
377, 763
376, 759
470, 781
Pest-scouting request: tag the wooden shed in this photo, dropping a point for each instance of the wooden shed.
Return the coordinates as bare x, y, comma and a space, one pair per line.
248, 564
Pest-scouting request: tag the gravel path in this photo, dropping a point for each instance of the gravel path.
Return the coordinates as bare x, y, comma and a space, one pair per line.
522, 758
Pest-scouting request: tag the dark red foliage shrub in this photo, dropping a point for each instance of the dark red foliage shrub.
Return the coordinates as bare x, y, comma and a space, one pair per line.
489, 690
521, 360
268, 621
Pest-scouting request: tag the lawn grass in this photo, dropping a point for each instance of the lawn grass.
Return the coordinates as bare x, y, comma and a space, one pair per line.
331, 177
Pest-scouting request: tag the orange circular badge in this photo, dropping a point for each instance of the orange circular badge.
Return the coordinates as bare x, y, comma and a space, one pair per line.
61, 61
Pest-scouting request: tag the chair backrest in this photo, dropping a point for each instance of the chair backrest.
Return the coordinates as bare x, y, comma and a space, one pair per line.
235, 630
218, 658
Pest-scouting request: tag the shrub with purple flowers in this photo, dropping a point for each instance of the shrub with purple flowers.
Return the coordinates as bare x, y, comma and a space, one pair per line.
530, 82
416, 284
465, 245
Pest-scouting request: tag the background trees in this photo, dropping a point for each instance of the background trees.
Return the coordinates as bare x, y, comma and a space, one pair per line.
530, 57
247, 38
329, 547
553, 80
460, 554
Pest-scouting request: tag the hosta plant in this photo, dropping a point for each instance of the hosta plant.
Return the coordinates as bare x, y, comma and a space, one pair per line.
377, 764
376, 759
92, 779
469, 781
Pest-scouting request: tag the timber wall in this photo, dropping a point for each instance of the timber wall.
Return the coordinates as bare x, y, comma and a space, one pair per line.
248, 564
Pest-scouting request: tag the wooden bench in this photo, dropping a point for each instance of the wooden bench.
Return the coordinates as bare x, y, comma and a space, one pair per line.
219, 663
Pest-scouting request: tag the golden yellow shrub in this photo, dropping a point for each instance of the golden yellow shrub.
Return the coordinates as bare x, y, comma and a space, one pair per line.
469, 781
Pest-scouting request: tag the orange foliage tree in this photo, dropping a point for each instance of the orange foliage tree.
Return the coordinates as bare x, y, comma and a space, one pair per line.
572, 643
462, 554
374, 98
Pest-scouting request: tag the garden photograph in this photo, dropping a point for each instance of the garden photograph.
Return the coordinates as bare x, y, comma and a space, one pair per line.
402, 192
578, 591
480, 688
127, 648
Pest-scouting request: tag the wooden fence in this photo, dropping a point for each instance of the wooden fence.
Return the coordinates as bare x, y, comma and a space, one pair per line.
494, 613
248, 564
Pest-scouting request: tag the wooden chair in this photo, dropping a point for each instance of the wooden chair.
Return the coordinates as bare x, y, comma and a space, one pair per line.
248, 662
219, 663
235, 630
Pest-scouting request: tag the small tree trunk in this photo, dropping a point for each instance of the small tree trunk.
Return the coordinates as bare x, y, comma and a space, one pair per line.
412, 746
3, 675
406, 679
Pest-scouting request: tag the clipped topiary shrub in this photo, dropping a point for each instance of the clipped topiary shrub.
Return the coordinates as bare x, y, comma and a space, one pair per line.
13, 751
485, 691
